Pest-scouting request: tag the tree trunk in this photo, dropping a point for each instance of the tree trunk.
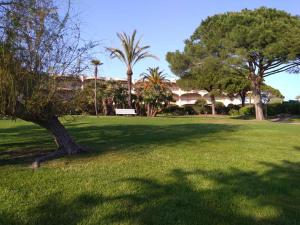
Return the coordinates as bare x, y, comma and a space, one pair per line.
148, 109
256, 93
243, 98
213, 104
66, 145
95, 91
129, 83
104, 106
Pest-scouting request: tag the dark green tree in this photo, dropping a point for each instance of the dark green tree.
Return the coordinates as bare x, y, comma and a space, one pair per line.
258, 43
36, 45
197, 70
236, 86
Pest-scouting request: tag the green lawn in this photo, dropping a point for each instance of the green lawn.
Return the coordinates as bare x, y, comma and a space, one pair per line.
153, 171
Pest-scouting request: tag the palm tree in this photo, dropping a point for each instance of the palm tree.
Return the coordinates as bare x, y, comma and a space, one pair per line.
130, 54
156, 91
96, 63
154, 77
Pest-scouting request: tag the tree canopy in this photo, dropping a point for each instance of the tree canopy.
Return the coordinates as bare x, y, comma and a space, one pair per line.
37, 44
256, 43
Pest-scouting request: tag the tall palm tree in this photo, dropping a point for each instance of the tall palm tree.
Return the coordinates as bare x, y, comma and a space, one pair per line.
130, 54
96, 63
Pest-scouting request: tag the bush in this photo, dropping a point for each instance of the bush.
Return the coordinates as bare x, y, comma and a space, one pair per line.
284, 108
232, 106
234, 112
247, 110
201, 107
189, 110
174, 110
179, 111
221, 108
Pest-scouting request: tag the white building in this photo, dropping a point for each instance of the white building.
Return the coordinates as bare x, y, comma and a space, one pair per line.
183, 97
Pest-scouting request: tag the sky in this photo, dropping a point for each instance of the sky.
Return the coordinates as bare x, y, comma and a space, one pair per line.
164, 25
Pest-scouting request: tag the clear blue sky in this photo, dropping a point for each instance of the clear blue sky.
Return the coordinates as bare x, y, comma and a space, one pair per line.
165, 24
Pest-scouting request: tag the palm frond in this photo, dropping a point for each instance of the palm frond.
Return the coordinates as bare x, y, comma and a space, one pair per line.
131, 52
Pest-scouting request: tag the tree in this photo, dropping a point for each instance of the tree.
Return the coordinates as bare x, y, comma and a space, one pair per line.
130, 54
273, 92
197, 70
260, 43
36, 45
113, 94
236, 85
96, 63
156, 91
110, 94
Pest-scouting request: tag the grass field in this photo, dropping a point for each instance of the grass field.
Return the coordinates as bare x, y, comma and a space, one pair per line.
153, 171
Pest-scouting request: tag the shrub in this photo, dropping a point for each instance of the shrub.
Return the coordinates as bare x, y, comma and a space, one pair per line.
284, 108
221, 108
247, 110
234, 112
189, 110
201, 107
174, 110
232, 106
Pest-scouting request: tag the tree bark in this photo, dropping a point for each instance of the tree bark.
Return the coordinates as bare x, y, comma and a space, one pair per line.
104, 106
65, 143
256, 93
129, 83
243, 98
213, 104
95, 91
148, 109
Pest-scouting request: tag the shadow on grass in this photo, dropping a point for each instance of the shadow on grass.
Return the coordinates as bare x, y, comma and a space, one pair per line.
28, 142
297, 148
233, 197
275, 194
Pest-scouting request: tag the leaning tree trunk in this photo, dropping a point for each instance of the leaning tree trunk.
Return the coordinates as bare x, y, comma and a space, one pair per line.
256, 93
65, 143
213, 104
129, 83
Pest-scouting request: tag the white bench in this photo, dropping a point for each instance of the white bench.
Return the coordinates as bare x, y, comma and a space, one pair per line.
125, 112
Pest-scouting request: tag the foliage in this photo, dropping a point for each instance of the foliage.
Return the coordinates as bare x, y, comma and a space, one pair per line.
130, 54
274, 93
256, 43
201, 106
36, 45
110, 94
292, 108
247, 111
189, 110
233, 110
221, 109
236, 86
174, 110
156, 91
